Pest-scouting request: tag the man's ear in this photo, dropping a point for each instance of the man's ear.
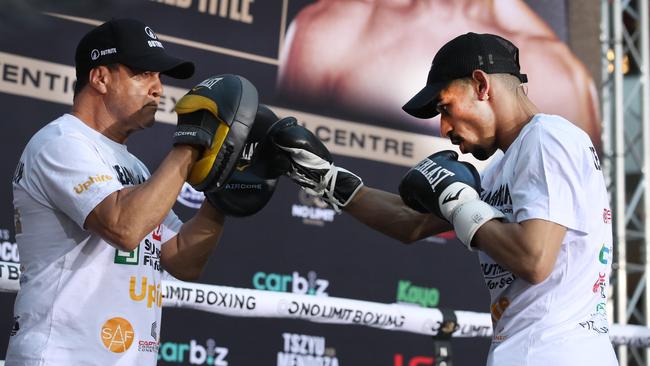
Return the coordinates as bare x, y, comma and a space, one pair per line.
481, 84
99, 79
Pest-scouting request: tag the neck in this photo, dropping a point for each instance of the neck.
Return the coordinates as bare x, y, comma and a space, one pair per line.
513, 120
92, 111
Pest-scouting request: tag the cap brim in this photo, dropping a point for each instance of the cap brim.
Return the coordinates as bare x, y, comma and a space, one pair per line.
423, 104
165, 64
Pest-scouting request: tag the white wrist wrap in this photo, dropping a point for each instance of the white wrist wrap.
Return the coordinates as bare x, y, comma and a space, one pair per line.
469, 216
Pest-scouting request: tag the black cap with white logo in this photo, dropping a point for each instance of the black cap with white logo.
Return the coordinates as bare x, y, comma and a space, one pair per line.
131, 43
457, 59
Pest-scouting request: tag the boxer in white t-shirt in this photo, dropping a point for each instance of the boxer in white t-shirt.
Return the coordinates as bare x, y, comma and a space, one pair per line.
538, 216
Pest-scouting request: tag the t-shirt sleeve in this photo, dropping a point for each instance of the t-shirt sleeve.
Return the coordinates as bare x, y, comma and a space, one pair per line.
71, 176
172, 225
547, 180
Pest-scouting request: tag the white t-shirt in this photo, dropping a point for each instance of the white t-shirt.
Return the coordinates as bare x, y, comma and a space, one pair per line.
81, 302
552, 172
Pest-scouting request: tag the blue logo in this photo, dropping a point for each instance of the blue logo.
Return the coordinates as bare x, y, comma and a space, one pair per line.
193, 353
603, 256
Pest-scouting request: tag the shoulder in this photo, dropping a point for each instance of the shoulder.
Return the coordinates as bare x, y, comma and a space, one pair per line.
517, 18
327, 16
60, 139
334, 9
555, 141
546, 127
320, 35
326, 27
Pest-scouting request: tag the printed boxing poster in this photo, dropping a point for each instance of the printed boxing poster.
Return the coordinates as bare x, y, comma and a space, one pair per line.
344, 69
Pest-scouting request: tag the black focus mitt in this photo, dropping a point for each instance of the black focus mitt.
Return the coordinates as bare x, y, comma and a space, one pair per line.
216, 115
247, 191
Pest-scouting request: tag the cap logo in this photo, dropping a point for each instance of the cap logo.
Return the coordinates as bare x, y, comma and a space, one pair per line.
208, 83
480, 60
155, 44
95, 54
490, 59
150, 33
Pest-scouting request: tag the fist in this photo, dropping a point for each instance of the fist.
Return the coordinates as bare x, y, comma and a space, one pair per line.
439, 183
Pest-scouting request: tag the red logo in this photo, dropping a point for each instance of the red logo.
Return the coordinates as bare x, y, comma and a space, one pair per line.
447, 235
398, 360
156, 234
600, 282
607, 215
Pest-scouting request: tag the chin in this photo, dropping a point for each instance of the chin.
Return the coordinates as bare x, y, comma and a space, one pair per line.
149, 123
481, 154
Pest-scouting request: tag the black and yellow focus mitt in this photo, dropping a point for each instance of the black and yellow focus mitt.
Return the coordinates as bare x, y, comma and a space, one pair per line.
216, 115
247, 191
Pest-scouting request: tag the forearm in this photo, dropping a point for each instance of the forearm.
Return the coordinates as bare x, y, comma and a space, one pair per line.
186, 254
386, 213
135, 211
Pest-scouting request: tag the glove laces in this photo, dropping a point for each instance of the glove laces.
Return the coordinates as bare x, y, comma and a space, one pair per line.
323, 188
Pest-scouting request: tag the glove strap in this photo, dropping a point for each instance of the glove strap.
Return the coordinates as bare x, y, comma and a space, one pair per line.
192, 135
469, 216
330, 187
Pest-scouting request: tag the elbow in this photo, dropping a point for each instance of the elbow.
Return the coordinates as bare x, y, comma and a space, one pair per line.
408, 239
124, 244
123, 239
128, 245
535, 273
188, 275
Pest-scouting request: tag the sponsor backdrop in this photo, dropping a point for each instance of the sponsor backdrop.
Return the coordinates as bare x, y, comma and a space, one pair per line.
296, 244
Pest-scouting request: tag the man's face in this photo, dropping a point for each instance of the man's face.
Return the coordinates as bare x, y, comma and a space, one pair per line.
467, 121
133, 97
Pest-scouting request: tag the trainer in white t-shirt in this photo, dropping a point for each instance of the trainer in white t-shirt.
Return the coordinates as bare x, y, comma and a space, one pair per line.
82, 301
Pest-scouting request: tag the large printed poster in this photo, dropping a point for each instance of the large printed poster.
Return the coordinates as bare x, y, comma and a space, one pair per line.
343, 68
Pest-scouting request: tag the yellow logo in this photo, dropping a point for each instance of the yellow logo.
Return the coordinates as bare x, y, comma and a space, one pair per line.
117, 335
499, 307
152, 292
82, 187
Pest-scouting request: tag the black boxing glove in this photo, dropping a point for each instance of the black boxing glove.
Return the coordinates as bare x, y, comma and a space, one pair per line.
449, 188
216, 116
247, 192
309, 163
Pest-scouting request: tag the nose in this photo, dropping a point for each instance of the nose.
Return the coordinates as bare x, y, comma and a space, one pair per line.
445, 127
156, 88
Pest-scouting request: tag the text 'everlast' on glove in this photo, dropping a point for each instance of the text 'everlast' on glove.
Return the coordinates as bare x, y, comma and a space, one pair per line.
449, 188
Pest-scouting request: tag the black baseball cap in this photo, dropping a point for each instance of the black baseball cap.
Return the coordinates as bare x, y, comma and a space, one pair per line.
131, 43
457, 59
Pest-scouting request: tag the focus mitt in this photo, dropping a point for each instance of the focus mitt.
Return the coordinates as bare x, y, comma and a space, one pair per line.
217, 115
247, 192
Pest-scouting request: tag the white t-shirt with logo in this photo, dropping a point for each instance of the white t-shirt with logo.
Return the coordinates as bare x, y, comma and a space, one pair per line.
81, 302
552, 172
